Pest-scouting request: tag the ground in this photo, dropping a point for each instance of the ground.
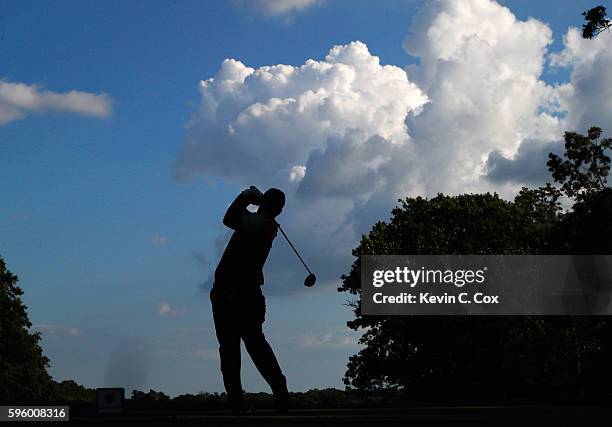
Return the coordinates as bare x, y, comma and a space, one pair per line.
430, 415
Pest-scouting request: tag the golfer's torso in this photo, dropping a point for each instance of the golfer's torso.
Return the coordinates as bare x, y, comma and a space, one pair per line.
246, 252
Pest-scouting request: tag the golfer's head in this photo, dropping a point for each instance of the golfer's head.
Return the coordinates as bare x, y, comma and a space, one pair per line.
272, 202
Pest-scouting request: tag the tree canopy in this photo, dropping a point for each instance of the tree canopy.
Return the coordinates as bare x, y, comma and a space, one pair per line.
595, 23
23, 367
501, 355
586, 165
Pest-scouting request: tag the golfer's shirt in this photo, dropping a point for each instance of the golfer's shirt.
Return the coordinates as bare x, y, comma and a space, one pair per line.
246, 253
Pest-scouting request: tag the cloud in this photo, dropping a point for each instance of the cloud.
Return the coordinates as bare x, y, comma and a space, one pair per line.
580, 51
329, 340
346, 136
528, 166
157, 240
280, 8
164, 309
481, 67
206, 285
587, 98
68, 331
17, 100
281, 113
585, 101
201, 258
297, 173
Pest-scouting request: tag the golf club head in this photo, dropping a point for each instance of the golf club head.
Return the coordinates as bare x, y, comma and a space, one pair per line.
310, 280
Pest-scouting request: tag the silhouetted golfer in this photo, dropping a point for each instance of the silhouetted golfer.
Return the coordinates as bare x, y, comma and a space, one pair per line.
239, 306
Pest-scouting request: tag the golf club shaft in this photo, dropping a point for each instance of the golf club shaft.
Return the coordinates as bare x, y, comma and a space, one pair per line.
293, 247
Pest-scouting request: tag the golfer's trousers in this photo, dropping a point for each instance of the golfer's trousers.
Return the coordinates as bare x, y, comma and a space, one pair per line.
240, 315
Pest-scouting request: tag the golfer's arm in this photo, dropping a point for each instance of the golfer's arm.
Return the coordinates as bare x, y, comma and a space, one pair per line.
236, 211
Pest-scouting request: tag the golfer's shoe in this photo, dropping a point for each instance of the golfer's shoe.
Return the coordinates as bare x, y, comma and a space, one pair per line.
281, 402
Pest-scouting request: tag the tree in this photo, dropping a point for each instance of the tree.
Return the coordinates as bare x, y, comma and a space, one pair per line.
151, 396
508, 355
586, 165
70, 391
596, 22
449, 354
586, 228
23, 367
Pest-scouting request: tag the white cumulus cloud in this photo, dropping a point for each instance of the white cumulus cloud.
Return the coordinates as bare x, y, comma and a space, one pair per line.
584, 101
281, 113
346, 136
587, 98
481, 68
18, 100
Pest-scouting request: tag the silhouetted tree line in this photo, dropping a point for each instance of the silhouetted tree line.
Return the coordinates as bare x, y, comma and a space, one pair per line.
504, 356
317, 398
23, 367
23, 373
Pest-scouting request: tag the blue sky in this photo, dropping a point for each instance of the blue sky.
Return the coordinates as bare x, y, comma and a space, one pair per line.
106, 243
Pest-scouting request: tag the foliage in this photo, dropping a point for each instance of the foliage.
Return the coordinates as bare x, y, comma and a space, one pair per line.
70, 391
315, 398
500, 355
450, 353
23, 367
587, 228
586, 165
151, 396
596, 22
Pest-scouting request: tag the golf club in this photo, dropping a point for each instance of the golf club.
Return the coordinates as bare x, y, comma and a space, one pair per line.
311, 278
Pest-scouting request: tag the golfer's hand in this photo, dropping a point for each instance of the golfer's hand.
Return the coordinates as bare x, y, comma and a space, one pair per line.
253, 195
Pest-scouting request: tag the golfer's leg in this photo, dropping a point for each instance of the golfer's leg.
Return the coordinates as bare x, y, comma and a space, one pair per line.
258, 347
229, 353
260, 351
263, 357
